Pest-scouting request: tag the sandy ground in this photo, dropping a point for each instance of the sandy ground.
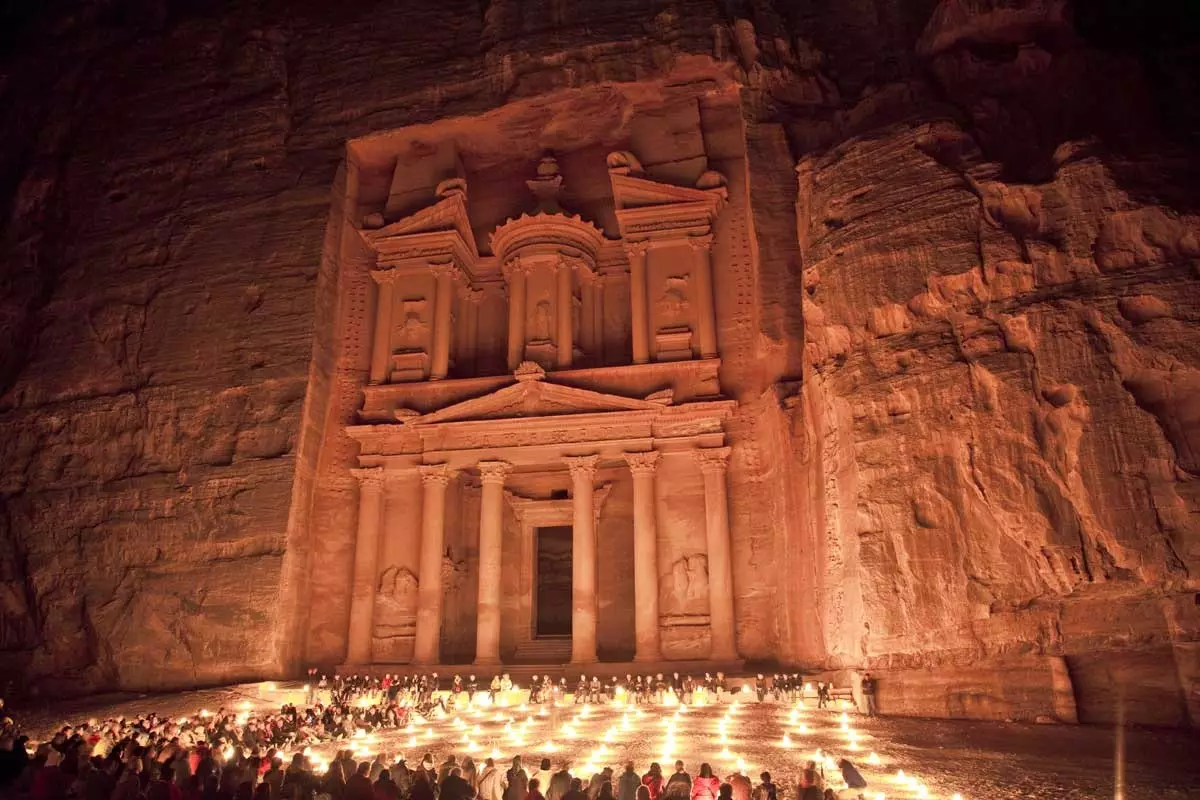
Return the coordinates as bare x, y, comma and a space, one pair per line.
978, 760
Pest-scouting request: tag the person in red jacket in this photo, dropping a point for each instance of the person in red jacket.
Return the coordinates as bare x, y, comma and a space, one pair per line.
653, 781
705, 786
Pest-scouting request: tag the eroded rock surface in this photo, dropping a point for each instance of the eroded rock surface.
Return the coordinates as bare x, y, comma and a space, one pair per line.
966, 353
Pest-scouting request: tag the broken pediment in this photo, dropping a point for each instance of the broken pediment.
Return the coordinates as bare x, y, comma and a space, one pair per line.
534, 398
442, 226
648, 207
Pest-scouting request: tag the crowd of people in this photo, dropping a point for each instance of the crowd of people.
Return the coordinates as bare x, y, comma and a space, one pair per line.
244, 755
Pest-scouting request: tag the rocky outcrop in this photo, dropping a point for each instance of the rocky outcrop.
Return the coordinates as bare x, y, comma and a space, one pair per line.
966, 354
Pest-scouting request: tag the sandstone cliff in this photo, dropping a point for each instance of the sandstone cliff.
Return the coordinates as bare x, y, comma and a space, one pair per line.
966, 380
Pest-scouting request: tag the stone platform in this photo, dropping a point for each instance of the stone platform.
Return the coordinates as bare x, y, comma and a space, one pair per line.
735, 671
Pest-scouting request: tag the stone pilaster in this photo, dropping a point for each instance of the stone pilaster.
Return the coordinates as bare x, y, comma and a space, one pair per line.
366, 565
713, 463
443, 275
491, 519
514, 276
434, 479
564, 339
639, 310
645, 555
381, 343
706, 311
583, 558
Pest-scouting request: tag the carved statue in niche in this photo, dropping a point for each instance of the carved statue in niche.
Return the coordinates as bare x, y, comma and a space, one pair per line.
673, 305
541, 321
688, 592
412, 326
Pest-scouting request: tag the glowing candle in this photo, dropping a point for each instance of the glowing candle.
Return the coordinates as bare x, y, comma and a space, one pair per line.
873, 759
787, 741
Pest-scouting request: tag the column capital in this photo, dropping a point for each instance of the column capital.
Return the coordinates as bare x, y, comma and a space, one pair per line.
494, 471
436, 474
643, 463
701, 242
384, 276
445, 268
637, 249
712, 459
369, 476
582, 466
512, 268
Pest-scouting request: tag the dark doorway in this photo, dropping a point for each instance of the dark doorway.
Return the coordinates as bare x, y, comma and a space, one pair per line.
553, 581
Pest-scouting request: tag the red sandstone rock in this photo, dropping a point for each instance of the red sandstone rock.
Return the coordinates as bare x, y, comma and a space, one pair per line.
955, 301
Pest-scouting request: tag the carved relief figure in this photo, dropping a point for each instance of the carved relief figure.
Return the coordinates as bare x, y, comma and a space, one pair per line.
454, 573
412, 327
673, 305
396, 600
541, 321
689, 584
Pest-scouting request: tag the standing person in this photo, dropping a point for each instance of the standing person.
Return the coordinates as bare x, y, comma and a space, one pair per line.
628, 783
534, 793
810, 782
455, 787
740, 785
765, 790
679, 785
560, 783
653, 781
705, 786
543, 774
576, 791
491, 782
516, 782
359, 787
760, 687
470, 772
386, 788
422, 786
853, 778
822, 694
868, 691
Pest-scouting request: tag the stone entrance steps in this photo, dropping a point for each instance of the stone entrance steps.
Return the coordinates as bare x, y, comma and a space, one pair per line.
549, 651
735, 671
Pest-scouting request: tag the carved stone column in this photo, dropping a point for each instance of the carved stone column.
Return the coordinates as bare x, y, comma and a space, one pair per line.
599, 287
583, 559
587, 315
443, 295
514, 274
639, 311
702, 269
645, 555
381, 346
713, 462
491, 520
564, 316
434, 478
366, 565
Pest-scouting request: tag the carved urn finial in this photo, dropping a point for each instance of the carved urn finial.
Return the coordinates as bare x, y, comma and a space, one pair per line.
547, 185
529, 371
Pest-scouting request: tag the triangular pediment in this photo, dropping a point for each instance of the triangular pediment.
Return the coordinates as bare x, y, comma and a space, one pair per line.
531, 399
447, 215
631, 191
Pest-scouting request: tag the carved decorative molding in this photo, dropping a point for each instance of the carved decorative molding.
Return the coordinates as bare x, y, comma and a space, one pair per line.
712, 459
637, 249
701, 242
645, 463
